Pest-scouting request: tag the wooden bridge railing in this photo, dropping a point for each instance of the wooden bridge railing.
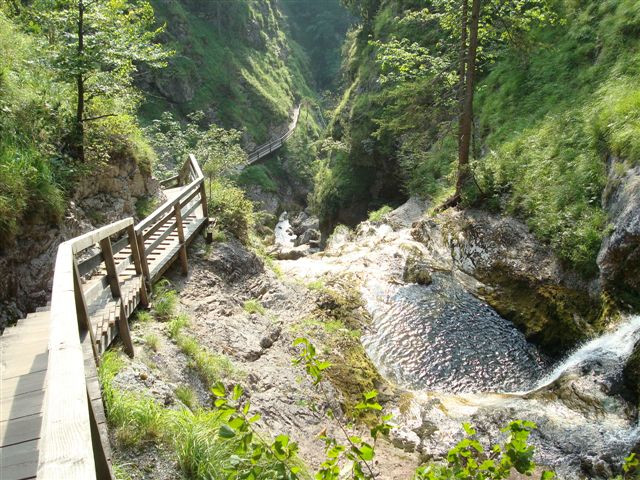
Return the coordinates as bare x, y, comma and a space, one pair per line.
264, 150
99, 280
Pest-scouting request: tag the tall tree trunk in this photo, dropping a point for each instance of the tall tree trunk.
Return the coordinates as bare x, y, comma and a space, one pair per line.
462, 62
466, 119
80, 84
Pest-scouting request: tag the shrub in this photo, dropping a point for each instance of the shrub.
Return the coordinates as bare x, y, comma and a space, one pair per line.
253, 306
377, 215
232, 210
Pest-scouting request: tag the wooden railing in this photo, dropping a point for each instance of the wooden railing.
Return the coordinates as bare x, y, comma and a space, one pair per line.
109, 266
264, 150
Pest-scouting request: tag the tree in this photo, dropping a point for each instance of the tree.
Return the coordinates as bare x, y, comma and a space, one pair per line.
97, 45
220, 151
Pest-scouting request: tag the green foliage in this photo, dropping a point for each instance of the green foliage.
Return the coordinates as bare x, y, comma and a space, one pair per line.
211, 367
258, 175
32, 111
188, 396
134, 417
145, 206
152, 341
176, 325
232, 210
251, 78
165, 300
143, 316
557, 93
379, 214
320, 28
469, 459
253, 306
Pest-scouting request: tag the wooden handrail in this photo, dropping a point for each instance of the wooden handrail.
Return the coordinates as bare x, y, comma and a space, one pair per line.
166, 207
66, 448
273, 145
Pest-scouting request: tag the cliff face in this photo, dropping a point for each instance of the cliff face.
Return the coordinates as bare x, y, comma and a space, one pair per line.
99, 199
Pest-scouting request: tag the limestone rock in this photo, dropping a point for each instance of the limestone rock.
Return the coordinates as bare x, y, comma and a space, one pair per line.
416, 270
520, 277
619, 257
404, 439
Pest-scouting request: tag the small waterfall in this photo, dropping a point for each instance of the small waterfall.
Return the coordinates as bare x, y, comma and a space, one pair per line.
613, 347
283, 233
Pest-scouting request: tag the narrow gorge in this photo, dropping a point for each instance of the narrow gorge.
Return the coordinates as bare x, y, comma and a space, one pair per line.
402, 238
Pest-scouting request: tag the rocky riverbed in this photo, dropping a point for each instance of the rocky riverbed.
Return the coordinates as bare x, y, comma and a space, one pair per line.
407, 306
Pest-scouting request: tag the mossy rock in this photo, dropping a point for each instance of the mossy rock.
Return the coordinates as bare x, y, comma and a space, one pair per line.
352, 372
554, 317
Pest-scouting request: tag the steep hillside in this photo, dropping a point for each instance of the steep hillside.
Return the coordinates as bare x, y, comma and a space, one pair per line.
235, 61
553, 104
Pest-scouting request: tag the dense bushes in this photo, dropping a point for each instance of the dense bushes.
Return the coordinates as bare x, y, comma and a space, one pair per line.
31, 105
232, 210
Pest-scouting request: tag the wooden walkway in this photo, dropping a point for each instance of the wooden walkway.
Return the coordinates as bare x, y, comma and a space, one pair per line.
268, 148
52, 420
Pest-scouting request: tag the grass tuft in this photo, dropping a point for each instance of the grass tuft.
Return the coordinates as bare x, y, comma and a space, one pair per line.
253, 306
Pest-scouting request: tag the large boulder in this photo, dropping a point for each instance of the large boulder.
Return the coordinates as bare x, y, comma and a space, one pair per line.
619, 257
521, 278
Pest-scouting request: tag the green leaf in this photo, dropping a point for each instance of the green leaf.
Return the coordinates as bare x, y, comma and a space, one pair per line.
226, 432
255, 418
370, 395
237, 392
547, 475
219, 390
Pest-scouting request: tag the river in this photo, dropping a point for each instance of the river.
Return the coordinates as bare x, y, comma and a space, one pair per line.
461, 361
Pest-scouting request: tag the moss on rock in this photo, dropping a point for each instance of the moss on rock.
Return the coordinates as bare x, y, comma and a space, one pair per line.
552, 316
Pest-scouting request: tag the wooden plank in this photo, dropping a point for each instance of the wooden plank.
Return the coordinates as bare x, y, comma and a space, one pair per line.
20, 461
112, 272
66, 449
22, 405
158, 226
137, 261
85, 241
24, 366
20, 430
203, 199
161, 239
31, 382
165, 208
186, 201
196, 166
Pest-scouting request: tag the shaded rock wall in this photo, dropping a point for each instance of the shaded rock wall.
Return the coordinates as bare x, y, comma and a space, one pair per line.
619, 257
26, 268
522, 279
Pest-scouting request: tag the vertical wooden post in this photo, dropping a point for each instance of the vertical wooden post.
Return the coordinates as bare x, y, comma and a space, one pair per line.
143, 260
203, 200
103, 466
183, 246
137, 261
114, 283
84, 322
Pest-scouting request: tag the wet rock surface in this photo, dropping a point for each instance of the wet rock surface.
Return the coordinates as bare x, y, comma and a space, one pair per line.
619, 257
519, 277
